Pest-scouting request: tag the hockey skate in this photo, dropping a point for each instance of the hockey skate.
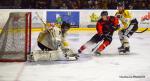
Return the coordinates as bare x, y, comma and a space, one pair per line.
123, 50
127, 50
79, 51
97, 53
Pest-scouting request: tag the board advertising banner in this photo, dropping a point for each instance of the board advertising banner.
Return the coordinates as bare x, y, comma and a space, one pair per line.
58, 17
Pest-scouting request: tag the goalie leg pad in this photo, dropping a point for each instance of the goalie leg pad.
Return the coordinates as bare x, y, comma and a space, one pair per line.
70, 53
46, 55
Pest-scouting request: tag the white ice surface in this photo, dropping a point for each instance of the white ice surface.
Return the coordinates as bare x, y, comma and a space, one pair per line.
108, 67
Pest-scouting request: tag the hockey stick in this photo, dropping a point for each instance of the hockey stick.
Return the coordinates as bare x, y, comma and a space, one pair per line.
145, 28
142, 31
96, 47
41, 20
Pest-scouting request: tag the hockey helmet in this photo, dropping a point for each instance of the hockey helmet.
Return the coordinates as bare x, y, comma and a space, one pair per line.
104, 13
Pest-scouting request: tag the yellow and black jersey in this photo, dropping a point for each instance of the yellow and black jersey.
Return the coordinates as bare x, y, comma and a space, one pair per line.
50, 38
125, 17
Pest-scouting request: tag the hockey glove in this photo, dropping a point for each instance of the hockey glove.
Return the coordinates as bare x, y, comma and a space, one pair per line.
114, 28
119, 16
108, 36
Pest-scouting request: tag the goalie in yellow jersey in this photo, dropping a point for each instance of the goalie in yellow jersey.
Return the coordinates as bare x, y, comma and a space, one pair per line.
53, 37
130, 25
53, 45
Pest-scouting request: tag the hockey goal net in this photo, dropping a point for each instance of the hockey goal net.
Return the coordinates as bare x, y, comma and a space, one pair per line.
15, 37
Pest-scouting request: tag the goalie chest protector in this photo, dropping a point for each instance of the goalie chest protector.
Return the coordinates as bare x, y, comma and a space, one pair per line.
50, 38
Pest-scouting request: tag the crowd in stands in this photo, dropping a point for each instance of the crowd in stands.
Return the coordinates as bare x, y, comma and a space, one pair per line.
74, 4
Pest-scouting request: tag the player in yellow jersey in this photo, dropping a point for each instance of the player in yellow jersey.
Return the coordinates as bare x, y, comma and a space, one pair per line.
130, 25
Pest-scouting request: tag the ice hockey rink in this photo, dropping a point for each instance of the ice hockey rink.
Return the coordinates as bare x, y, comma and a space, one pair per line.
110, 66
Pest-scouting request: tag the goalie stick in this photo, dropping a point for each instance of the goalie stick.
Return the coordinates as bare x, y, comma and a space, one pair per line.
41, 19
45, 26
50, 30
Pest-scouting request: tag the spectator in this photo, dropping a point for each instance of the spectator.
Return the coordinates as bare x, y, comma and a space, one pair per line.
126, 4
41, 4
112, 5
96, 3
64, 6
90, 4
74, 4
130, 6
148, 6
137, 5
53, 4
105, 5
143, 5
84, 4
69, 4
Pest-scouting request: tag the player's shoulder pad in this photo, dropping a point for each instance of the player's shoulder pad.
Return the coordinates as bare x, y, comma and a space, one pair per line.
126, 11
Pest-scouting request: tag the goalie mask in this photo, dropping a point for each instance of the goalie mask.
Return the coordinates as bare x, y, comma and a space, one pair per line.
65, 27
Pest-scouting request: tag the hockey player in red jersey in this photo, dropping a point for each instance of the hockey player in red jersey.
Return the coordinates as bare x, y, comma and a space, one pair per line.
105, 27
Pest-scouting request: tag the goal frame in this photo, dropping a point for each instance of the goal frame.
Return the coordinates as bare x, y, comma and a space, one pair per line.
27, 40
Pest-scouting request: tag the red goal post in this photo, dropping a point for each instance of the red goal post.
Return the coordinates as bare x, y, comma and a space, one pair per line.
15, 37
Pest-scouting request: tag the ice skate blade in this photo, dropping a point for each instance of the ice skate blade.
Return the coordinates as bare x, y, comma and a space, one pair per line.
72, 58
124, 53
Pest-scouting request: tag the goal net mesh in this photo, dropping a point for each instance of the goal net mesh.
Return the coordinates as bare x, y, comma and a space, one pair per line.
15, 37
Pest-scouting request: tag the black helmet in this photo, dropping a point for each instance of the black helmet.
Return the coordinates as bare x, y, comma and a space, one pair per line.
65, 27
120, 4
104, 13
